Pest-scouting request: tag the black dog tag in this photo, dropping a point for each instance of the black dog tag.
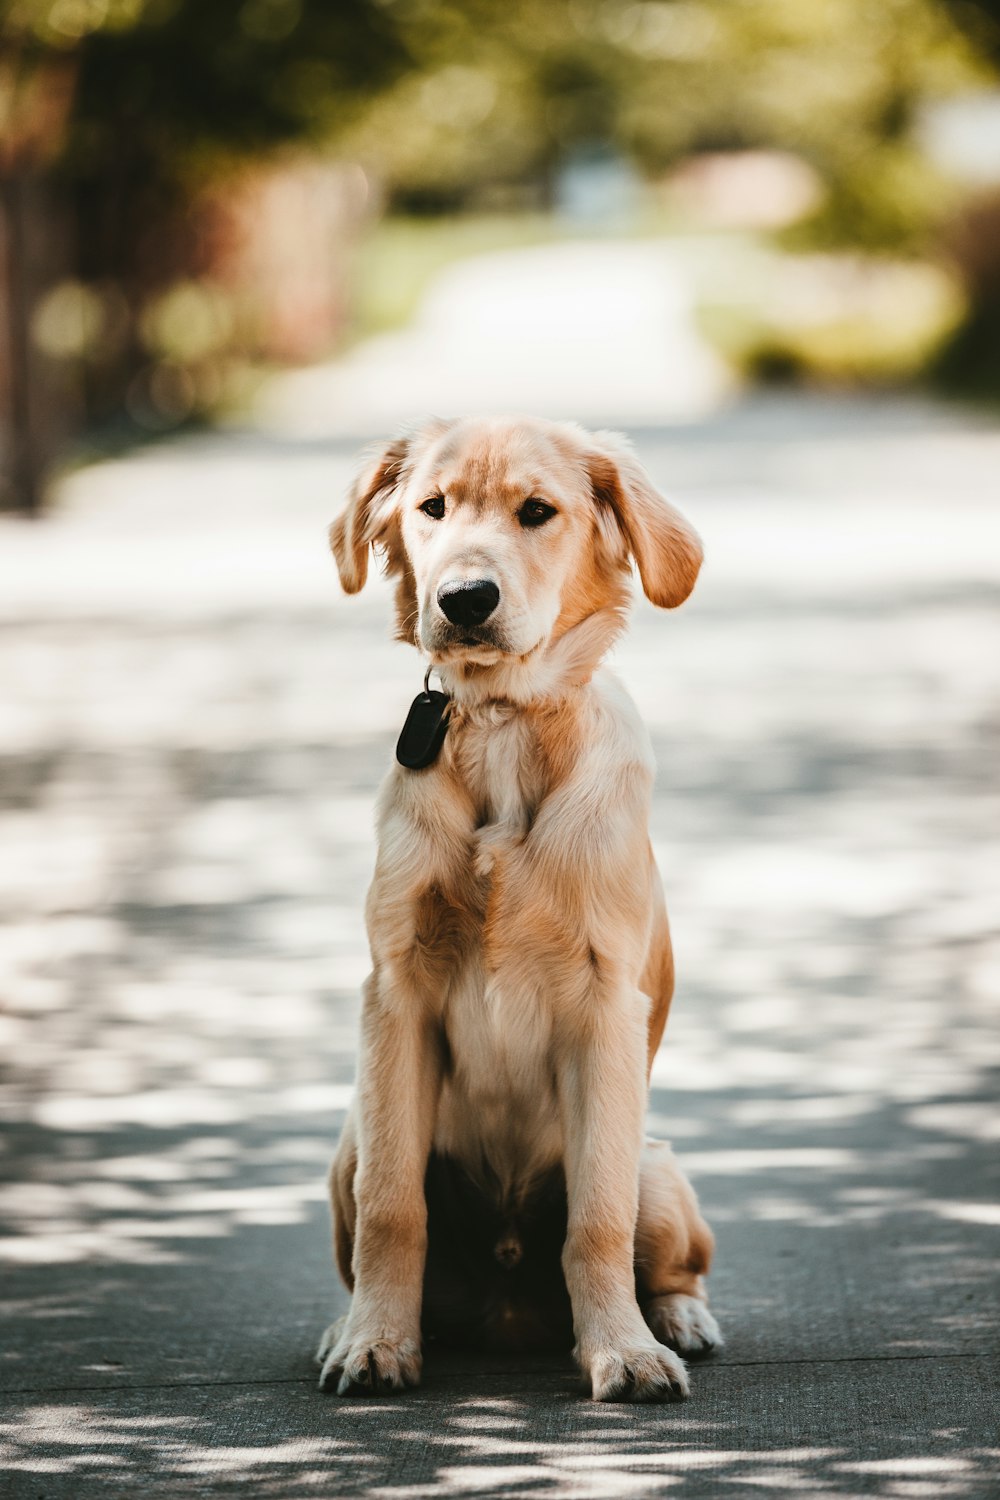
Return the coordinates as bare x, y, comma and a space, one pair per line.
422, 735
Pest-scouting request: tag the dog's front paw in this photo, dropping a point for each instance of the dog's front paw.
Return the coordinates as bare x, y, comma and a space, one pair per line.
684, 1323
366, 1363
638, 1372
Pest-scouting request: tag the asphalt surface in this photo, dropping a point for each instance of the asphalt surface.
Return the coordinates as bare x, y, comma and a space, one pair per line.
193, 725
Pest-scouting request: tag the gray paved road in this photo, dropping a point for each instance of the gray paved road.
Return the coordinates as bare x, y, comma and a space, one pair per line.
192, 728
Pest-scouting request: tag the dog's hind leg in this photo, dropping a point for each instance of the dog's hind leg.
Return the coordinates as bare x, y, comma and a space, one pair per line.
342, 1205
344, 1217
673, 1253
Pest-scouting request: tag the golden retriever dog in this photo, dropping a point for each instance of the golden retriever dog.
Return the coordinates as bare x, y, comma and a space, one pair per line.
492, 1184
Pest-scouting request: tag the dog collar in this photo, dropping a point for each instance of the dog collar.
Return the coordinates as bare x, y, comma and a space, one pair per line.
424, 729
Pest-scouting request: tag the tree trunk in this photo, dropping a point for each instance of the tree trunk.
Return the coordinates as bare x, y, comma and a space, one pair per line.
19, 449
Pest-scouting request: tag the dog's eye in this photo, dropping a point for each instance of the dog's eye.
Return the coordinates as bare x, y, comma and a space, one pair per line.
535, 513
434, 507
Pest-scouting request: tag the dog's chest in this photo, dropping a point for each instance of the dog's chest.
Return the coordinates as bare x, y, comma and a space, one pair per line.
498, 1105
498, 1108
500, 761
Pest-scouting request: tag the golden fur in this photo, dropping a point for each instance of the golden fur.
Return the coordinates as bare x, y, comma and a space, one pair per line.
521, 960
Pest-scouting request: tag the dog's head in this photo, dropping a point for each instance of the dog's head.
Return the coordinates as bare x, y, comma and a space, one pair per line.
506, 534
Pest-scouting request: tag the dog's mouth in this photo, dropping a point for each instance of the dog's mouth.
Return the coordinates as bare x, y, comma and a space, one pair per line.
468, 649
471, 653
471, 643
486, 645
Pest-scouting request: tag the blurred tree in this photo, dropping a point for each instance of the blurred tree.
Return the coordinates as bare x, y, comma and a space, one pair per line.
980, 20
184, 77
127, 110
970, 362
122, 109
500, 92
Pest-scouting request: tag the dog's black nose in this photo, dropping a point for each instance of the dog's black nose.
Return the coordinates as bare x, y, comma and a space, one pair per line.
469, 601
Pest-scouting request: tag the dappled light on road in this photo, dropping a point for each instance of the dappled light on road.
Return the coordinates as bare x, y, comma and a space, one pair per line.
493, 1446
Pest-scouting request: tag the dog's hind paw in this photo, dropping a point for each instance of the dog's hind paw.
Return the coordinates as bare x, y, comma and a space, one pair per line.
684, 1323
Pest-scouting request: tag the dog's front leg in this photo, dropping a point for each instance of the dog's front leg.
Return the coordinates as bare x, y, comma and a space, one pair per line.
602, 1099
378, 1347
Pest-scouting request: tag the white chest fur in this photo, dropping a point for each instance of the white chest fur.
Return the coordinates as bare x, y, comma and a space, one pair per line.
498, 1112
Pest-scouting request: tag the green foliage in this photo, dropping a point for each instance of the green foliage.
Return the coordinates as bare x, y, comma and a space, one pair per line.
980, 21
446, 100
136, 106
500, 93
888, 197
170, 82
893, 322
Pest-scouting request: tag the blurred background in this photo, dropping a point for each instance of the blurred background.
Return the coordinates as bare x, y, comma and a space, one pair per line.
194, 196
240, 238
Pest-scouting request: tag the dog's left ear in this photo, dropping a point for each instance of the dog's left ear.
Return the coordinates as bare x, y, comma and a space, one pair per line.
666, 548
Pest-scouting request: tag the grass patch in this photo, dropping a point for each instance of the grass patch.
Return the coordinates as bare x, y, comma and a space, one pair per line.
834, 320
400, 258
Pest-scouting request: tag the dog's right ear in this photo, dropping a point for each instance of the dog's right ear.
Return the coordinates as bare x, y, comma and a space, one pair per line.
368, 512
371, 519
